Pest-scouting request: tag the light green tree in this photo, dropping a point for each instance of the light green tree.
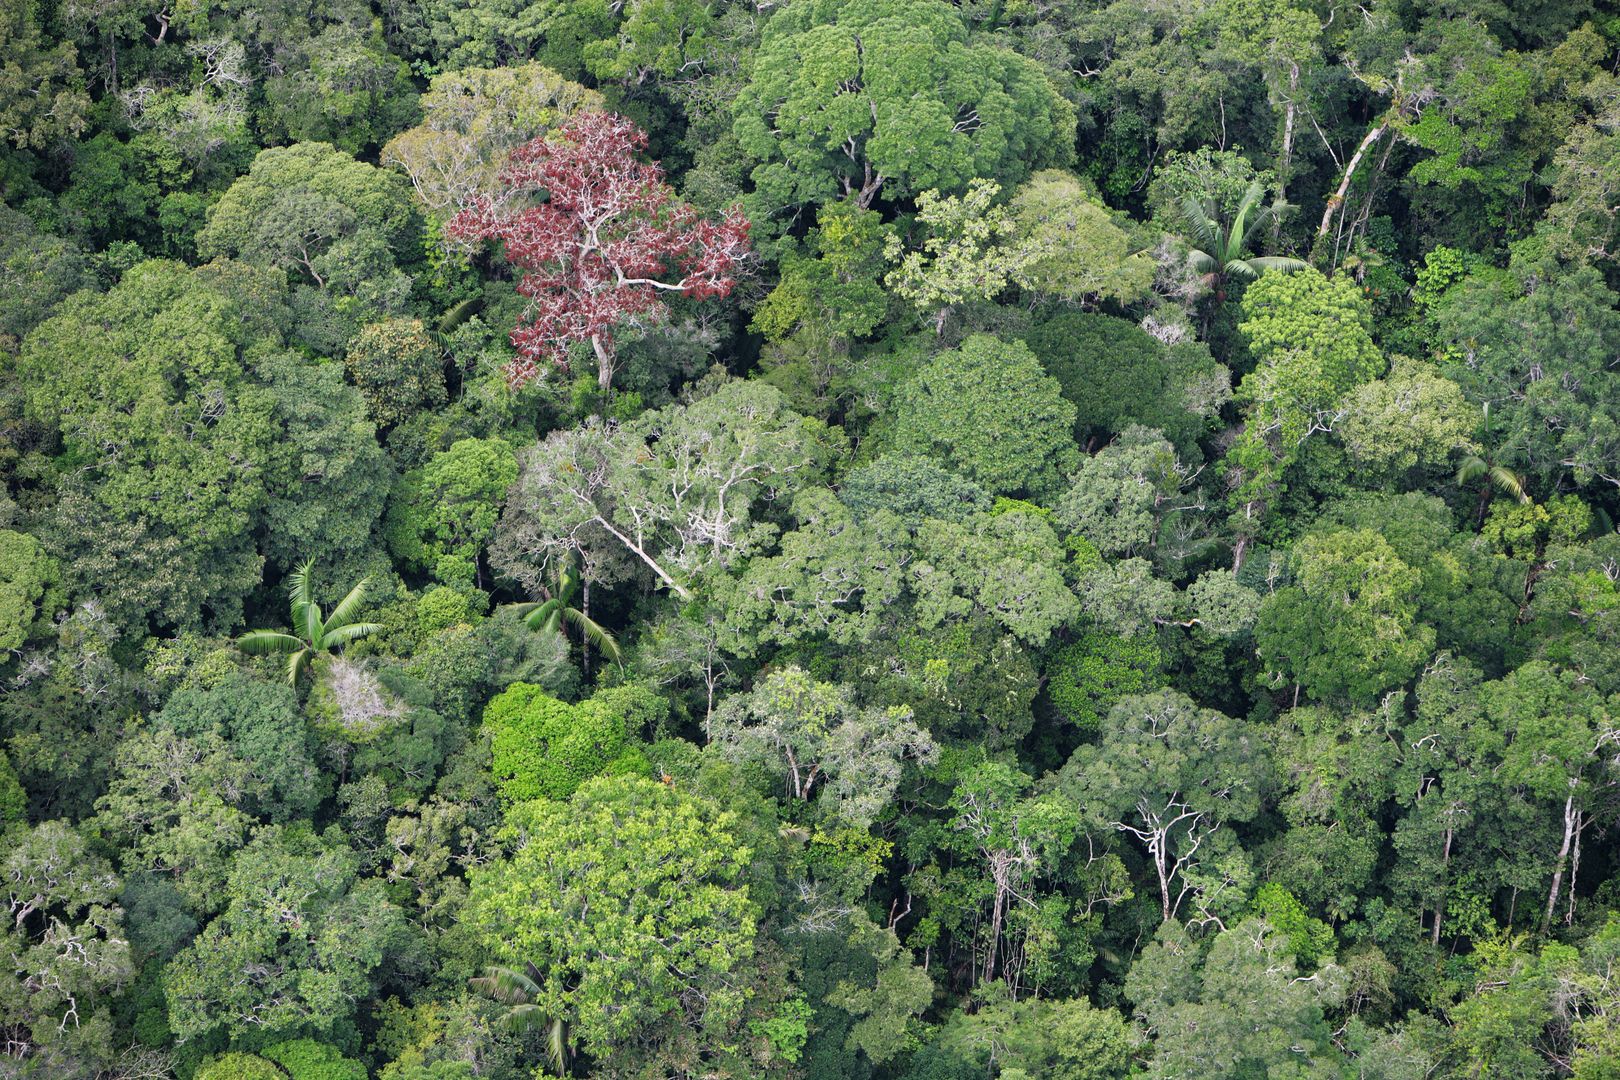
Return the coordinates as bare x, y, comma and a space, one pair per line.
27, 576
967, 252
445, 512
673, 491
1411, 417
471, 119
1071, 247
296, 946
630, 901
1245, 1008
543, 748
1312, 343
1349, 625
1171, 774
68, 950
1120, 495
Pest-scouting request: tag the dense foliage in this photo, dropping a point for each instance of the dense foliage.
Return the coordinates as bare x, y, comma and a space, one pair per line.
821, 540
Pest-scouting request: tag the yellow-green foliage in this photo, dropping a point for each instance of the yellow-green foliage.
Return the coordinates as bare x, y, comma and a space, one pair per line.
545, 748
240, 1067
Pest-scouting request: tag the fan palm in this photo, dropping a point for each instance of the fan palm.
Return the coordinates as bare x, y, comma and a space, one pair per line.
313, 633
517, 990
557, 611
1224, 253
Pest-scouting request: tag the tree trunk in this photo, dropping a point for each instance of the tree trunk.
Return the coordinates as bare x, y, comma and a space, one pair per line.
1574, 868
1238, 551
1159, 851
606, 362
1440, 905
1571, 821
1338, 197
995, 932
584, 638
1285, 158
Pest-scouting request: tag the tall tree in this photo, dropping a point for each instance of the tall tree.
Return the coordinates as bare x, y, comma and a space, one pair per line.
630, 901
827, 741
608, 243
1171, 774
852, 97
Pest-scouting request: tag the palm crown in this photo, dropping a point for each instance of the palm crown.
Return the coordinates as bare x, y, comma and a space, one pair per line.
313, 633
1226, 245
555, 611
518, 991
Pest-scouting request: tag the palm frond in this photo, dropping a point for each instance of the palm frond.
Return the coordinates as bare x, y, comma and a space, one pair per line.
525, 1017
1242, 269
1238, 233
1265, 217
313, 626
298, 589
542, 615
343, 635
557, 1045
1201, 222
298, 663
1508, 483
568, 583
1475, 468
508, 986
1281, 263
1203, 262
593, 632
346, 608
266, 642
460, 314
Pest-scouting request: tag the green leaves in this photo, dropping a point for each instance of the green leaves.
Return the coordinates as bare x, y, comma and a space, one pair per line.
313, 633
544, 748
1349, 626
629, 901
445, 513
850, 97
817, 734
987, 411
295, 947
170, 442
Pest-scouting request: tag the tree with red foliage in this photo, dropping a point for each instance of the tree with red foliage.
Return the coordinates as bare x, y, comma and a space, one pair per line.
608, 242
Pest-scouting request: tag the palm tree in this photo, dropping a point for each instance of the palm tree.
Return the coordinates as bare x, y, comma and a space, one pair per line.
1225, 246
557, 610
517, 990
1498, 478
313, 633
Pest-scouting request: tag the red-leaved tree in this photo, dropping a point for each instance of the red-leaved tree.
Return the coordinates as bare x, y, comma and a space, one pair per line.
608, 242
